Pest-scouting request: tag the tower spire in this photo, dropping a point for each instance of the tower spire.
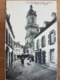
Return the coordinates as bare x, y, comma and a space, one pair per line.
31, 7
31, 11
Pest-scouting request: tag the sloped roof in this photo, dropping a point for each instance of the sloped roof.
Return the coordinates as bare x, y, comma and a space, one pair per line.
47, 26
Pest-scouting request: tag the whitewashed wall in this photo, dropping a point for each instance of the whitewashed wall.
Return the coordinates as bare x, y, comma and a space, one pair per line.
10, 48
48, 47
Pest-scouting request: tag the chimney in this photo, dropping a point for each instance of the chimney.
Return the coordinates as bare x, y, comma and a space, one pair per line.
53, 14
46, 23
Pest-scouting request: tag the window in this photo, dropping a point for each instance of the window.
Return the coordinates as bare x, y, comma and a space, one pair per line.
6, 36
51, 37
9, 39
11, 42
52, 53
43, 41
37, 44
32, 19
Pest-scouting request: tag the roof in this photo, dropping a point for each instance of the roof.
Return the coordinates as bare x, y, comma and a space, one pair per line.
46, 22
22, 46
47, 26
31, 11
18, 44
8, 21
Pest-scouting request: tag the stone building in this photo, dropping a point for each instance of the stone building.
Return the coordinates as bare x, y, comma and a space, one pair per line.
46, 44
32, 28
9, 42
18, 49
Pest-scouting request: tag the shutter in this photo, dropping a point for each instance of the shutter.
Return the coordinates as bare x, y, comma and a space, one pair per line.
41, 42
54, 36
45, 41
36, 45
49, 39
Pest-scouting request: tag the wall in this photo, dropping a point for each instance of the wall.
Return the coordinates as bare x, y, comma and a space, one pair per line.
48, 47
10, 44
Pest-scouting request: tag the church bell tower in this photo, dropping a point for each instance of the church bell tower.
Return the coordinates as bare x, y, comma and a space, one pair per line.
32, 29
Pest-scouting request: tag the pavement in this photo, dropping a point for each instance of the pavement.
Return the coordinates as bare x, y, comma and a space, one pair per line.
32, 71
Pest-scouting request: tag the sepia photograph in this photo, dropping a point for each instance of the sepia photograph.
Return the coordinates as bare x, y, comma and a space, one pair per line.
31, 38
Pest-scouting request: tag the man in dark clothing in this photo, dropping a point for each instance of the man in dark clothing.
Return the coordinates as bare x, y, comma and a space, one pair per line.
22, 61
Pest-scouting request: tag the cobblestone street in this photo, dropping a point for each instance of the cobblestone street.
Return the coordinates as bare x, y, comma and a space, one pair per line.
34, 71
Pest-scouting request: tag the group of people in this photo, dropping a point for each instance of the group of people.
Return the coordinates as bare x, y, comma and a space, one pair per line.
29, 59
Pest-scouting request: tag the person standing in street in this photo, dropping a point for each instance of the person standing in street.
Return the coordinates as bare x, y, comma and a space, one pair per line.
22, 61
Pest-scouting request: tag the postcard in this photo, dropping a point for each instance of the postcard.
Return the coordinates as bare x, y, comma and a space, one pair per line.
31, 40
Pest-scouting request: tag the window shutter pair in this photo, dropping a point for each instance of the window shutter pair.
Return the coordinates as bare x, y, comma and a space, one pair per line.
49, 38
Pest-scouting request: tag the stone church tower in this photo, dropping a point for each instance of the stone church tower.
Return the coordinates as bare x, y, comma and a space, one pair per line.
31, 30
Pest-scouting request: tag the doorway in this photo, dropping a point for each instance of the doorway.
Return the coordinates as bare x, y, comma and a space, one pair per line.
43, 57
38, 56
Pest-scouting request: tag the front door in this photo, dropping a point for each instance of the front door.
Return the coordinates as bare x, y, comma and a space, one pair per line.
35, 57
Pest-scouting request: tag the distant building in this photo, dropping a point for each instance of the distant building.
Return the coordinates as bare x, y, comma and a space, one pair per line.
9, 42
18, 49
32, 28
46, 44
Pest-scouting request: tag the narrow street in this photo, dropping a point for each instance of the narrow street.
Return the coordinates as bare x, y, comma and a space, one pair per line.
33, 71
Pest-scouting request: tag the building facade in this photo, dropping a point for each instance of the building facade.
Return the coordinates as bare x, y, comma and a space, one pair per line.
9, 42
18, 49
46, 44
32, 29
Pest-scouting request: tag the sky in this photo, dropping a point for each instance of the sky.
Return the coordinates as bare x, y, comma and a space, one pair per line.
18, 11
